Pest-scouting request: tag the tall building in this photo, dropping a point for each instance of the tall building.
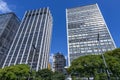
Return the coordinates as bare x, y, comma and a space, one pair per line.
59, 62
85, 25
9, 24
31, 44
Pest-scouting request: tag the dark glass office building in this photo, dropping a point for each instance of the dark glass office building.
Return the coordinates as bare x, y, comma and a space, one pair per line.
85, 25
31, 44
9, 24
59, 62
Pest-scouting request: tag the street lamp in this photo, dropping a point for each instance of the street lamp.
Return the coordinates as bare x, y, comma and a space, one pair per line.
34, 52
68, 76
104, 61
3, 54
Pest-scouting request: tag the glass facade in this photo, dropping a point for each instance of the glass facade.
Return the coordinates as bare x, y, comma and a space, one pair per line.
84, 25
59, 62
32, 41
9, 24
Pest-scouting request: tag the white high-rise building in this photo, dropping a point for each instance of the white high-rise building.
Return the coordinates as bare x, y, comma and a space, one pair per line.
31, 44
85, 25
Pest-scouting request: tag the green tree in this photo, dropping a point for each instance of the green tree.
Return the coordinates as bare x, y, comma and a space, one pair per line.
93, 66
58, 76
45, 74
113, 61
20, 72
86, 66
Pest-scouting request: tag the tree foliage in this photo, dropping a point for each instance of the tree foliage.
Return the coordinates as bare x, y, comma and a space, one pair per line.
46, 74
93, 65
58, 76
22, 72
14, 72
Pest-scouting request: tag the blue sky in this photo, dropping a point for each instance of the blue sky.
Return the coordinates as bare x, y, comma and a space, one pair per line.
109, 8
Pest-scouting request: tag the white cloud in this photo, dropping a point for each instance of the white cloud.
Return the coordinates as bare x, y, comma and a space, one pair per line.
4, 7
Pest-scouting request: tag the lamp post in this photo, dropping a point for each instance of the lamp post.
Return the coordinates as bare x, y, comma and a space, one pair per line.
2, 54
34, 52
68, 76
104, 61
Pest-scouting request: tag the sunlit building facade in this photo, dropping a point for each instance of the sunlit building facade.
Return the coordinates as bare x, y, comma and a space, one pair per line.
31, 44
87, 32
9, 24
